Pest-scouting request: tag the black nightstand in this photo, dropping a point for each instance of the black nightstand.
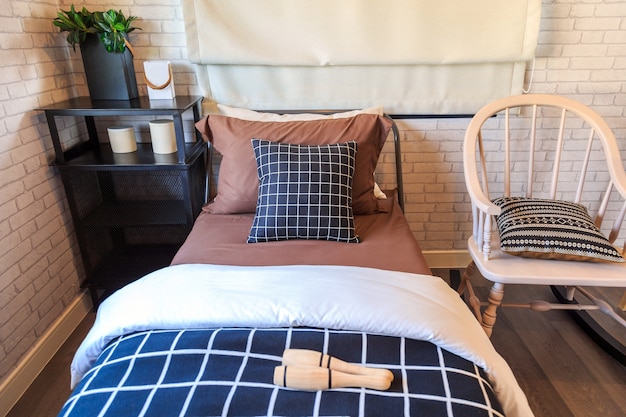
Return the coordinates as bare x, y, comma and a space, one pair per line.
131, 211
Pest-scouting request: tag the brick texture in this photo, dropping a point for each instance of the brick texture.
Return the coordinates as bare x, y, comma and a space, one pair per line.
581, 54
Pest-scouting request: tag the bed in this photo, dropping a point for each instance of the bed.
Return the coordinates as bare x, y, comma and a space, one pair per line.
259, 274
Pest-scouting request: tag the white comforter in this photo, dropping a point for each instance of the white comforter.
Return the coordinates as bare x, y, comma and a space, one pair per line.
363, 299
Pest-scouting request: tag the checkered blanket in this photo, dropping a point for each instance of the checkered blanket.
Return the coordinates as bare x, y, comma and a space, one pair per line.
229, 372
373, 301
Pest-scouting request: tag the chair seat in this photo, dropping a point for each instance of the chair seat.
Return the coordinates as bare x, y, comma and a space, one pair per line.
509, 269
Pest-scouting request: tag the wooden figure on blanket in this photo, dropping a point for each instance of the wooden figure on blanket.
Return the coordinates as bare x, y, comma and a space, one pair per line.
314, 378
312, 370
304, 357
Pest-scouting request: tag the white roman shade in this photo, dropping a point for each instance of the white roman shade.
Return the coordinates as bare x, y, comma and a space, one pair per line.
411, 56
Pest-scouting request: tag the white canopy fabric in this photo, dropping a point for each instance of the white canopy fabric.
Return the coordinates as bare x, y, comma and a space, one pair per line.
412, 56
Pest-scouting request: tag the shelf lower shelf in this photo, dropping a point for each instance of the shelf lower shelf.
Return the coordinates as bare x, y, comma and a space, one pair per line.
124, 265
137, 213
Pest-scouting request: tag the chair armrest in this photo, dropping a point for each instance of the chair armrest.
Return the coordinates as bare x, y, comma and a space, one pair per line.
477, 196
482, 202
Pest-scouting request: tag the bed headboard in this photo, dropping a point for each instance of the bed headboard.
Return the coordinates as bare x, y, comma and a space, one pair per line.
410, 56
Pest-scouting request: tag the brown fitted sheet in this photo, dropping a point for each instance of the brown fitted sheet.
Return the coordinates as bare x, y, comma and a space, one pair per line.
386, 243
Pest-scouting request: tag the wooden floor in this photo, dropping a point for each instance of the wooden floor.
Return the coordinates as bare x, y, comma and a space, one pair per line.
561, 370
48, 392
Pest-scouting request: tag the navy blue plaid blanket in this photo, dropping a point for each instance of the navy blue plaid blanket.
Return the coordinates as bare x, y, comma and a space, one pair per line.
229, 372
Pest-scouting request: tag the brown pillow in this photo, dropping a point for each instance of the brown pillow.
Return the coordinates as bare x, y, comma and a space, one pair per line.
238, 182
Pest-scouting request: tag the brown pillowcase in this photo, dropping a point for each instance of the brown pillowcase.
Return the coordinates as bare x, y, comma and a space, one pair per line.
238, 182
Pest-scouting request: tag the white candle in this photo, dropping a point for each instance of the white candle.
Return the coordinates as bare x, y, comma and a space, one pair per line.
163, 136
122, 139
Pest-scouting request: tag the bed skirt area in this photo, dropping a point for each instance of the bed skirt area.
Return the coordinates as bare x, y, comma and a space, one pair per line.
229, 372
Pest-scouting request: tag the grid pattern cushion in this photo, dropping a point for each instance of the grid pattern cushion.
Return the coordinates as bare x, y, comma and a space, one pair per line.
551, 229
305, 192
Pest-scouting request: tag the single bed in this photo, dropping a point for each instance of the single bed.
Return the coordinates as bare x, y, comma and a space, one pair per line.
203, 336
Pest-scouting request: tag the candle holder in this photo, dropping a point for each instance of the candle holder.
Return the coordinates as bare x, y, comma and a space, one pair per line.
163, 136
122, 139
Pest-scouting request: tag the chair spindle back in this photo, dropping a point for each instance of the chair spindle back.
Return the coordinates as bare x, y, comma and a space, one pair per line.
553, 147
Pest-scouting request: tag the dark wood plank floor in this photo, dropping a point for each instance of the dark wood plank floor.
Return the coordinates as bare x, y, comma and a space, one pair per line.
563, 373
47, 394
561, 370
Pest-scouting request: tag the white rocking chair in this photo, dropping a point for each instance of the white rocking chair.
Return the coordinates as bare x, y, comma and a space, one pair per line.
553, 148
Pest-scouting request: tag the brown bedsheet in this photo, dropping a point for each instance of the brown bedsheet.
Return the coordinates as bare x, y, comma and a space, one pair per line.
386, 243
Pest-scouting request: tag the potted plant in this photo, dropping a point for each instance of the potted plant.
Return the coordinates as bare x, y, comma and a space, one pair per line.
106, 52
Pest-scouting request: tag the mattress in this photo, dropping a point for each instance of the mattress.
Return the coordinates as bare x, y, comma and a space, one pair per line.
386, 242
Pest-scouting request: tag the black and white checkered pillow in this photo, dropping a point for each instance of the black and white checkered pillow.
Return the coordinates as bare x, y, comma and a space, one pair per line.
551, 229
305, 192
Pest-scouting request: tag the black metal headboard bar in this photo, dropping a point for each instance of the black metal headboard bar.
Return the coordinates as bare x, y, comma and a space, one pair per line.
398, 160
431, 116
396, 143
396, 139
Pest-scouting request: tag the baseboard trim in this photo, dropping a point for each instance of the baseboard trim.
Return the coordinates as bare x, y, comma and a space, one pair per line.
447, 258
18, 381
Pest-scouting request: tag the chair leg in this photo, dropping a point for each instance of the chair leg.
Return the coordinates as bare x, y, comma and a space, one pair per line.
495, 300
488, 318
466, 285
465, 278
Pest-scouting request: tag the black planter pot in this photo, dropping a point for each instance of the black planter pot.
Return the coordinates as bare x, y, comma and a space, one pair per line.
110, 76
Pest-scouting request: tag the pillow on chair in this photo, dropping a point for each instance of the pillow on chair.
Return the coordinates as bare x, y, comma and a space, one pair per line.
551, 229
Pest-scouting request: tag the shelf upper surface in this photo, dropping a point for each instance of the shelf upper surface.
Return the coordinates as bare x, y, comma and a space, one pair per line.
104, 158
86, 106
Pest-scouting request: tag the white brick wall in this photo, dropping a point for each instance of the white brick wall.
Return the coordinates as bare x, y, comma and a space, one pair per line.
39, 262
581, 54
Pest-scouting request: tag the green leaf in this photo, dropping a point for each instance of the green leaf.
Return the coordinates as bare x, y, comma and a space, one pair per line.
79, 21
110, 25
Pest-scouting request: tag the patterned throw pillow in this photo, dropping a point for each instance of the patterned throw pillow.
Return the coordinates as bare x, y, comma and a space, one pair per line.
305, 192
551, 229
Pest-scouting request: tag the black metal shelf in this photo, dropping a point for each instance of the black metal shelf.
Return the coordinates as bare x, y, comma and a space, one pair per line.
131, 211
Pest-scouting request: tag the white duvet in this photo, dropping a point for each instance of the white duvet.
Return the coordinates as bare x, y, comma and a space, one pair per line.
339, 297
